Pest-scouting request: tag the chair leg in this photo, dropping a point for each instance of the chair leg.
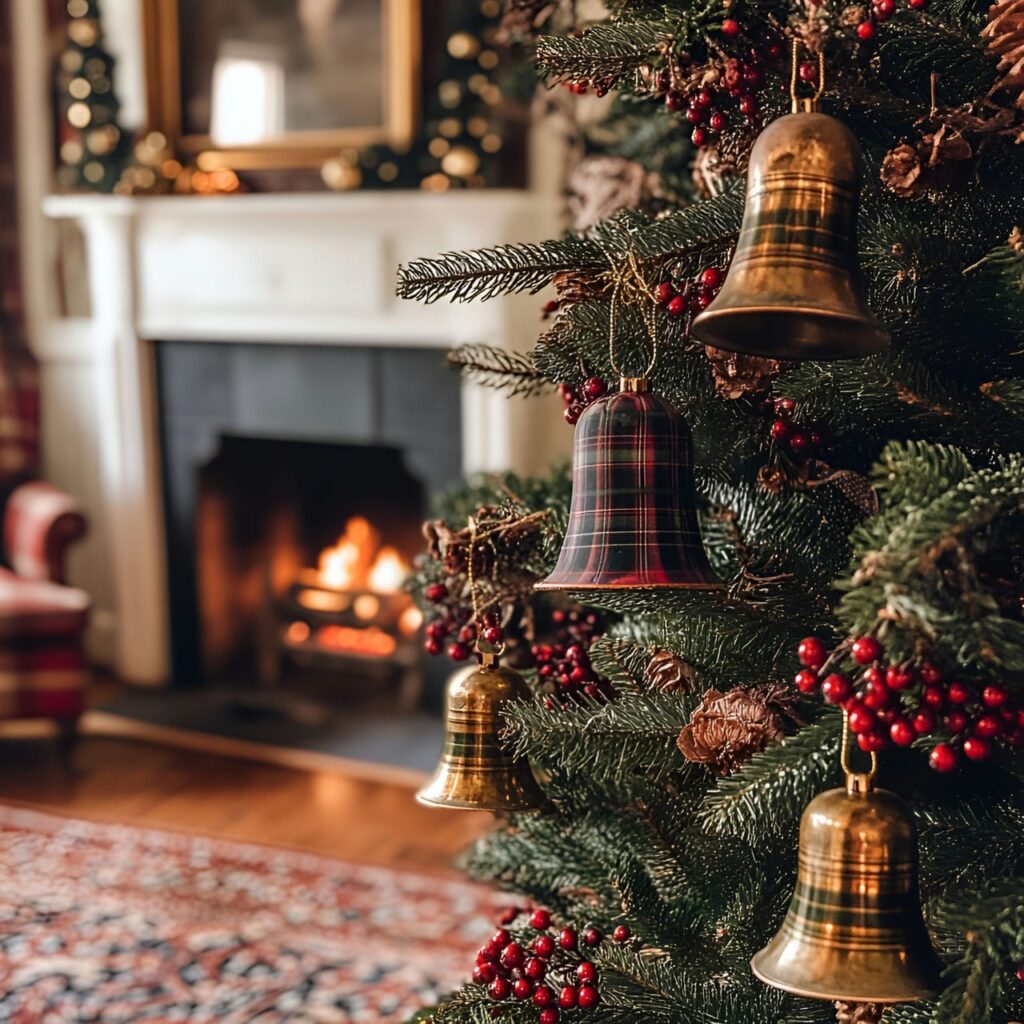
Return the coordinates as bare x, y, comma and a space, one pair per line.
67, 742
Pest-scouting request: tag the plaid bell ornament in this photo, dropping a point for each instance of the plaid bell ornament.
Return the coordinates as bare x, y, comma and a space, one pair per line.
633, 519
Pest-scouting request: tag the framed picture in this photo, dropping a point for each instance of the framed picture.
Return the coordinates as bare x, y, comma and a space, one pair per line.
253, 84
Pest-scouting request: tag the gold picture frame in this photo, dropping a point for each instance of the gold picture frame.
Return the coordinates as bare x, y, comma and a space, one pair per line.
400, 74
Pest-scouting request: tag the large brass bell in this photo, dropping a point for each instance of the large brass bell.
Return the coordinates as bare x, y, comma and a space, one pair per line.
476, 772
633, 520
794, 289
854, 930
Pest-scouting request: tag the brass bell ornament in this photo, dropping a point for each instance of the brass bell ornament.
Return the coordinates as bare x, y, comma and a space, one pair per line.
476, 772
794, 288
633, 518
854, 931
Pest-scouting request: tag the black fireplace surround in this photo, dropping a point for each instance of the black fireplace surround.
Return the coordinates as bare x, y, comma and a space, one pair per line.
393, 397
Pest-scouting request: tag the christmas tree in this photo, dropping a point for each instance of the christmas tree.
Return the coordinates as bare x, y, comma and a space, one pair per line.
866, 516
93, 148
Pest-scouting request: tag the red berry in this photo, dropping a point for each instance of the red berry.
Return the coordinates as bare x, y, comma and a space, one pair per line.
730, 28
586, 972
484, 974
865, 649
874, 676
898, 677
458, 652
780, 431
594, 388
499, 989
785, 407
902, 733
988, 725
934, 697
699, 136
1020, 974
862, 719
717, 121
923, 721
535, 968
588, 997
884, 9
621, 933
494, 634
806, 681
501, 938
567, 938
703, 98
572, 414
878, 696
958, 693
943, 758
977, 748
543, 995
836, 688
435, 592
543, 945
993, 696
548, 1016
467, 635
591, 937
432, 646
956, 721
664, 292
866, 31
812, 652
799, 440
522, 988
871, 742
748, 105
917, 5
809, 71
695, 115
712, 277
930, 674
512, 956
676, 306
567, 998
540, 919
675, 100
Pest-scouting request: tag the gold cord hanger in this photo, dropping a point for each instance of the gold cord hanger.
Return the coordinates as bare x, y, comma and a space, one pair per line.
807, 104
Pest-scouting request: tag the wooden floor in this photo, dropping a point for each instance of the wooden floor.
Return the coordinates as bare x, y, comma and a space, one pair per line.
139, 783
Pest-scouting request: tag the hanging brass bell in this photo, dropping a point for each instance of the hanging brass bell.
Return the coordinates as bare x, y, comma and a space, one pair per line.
794, 289
854, 930
476, 772
633, 519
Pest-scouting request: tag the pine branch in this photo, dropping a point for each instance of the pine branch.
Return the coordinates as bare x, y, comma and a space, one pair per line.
511, 372
501, 270
606, 52
768, 795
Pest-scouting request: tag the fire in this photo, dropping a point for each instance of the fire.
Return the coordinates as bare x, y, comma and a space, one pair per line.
358, 561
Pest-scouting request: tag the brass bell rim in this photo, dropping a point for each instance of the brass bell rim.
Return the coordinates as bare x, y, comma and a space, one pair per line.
912, 993
466, 805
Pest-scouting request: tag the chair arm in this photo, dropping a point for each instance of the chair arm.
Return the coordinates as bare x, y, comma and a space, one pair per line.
40, 523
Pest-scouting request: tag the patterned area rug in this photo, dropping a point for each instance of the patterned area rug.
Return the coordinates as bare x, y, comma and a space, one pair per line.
117, 924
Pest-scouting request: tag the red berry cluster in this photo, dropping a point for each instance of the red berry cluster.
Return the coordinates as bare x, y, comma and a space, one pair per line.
897, 703
543, 965
691, 297
566, 667
581, 86
457, 628
711, 102
549, 309
802, 441
882, 11
577, 399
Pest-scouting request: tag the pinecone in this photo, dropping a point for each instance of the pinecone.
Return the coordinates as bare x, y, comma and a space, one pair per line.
668, 673
1016, 241
859, 1013
737, 375
1005, 35
729, 728
772, 479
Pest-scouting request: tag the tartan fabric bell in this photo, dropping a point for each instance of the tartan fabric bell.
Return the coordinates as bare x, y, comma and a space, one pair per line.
633, 519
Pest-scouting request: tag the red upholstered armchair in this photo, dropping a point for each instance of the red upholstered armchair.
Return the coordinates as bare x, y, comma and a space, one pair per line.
42, 664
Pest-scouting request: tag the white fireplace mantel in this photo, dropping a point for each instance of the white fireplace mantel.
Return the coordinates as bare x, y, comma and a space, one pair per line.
286, 268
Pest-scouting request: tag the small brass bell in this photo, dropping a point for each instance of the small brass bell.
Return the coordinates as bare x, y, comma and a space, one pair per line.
633, 520
794, 289
854, 930
476, 772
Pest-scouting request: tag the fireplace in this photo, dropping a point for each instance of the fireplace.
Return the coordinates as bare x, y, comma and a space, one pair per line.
296, 480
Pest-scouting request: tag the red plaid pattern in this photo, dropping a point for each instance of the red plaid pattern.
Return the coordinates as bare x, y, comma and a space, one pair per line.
633, 520
43, 672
